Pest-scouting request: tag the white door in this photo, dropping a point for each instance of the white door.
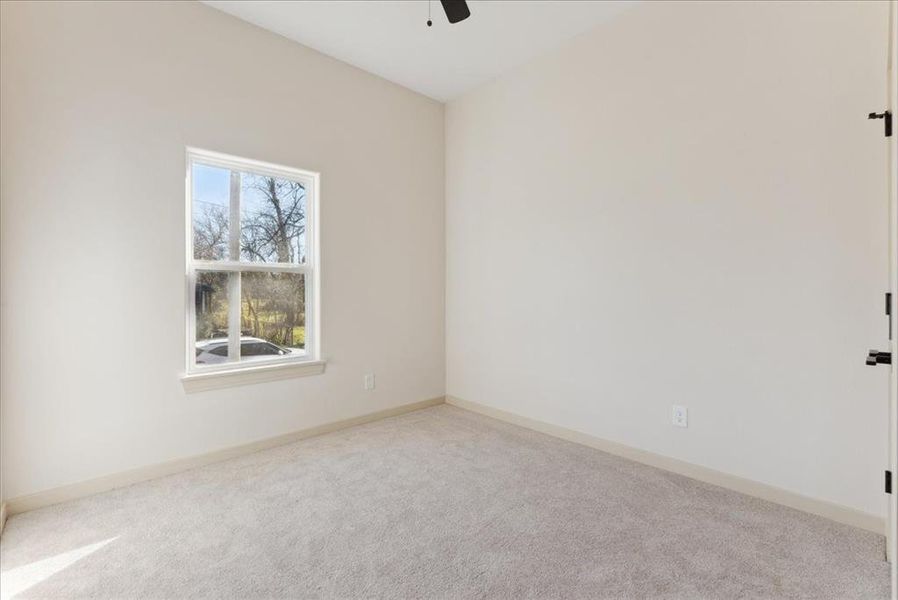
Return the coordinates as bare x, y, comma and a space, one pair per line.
892, 98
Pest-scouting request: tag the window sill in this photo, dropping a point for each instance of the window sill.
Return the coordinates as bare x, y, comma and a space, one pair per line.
200, 382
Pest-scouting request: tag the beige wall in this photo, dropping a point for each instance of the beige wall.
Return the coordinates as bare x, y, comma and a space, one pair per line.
99, 101
684, 206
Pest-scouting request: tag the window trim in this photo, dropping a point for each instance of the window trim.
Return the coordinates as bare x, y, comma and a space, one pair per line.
257, 372
309, 269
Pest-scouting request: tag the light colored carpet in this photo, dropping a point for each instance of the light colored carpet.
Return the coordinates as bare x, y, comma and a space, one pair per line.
439, 503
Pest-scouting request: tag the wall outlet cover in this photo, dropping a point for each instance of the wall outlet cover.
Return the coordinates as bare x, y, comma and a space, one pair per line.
680, 416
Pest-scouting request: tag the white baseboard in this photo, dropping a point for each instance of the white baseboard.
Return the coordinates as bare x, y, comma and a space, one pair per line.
109, 482
830, 510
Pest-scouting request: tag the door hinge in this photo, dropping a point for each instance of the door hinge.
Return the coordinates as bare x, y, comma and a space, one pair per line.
887, 117
889, 311
888, 482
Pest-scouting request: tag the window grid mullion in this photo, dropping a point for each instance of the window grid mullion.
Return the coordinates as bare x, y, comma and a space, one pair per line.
234, 278
223, 265
234, 305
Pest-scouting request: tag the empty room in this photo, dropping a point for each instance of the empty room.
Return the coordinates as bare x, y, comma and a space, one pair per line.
446, 299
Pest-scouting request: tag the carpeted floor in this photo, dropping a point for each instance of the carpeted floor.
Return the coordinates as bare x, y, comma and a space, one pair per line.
439, 503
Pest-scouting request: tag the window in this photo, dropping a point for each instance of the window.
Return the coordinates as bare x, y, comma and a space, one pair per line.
251, 265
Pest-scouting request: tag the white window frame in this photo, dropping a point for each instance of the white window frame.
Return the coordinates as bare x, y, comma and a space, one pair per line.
207, 376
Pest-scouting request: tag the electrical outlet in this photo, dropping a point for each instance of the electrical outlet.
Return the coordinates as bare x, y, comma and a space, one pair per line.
369, 381
680, 416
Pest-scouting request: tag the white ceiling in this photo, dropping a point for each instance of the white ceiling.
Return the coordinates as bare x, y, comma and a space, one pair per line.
390, 38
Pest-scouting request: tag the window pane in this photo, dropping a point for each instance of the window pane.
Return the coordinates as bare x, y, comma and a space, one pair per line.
211, 211
273, 310
211, 296
272, 219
